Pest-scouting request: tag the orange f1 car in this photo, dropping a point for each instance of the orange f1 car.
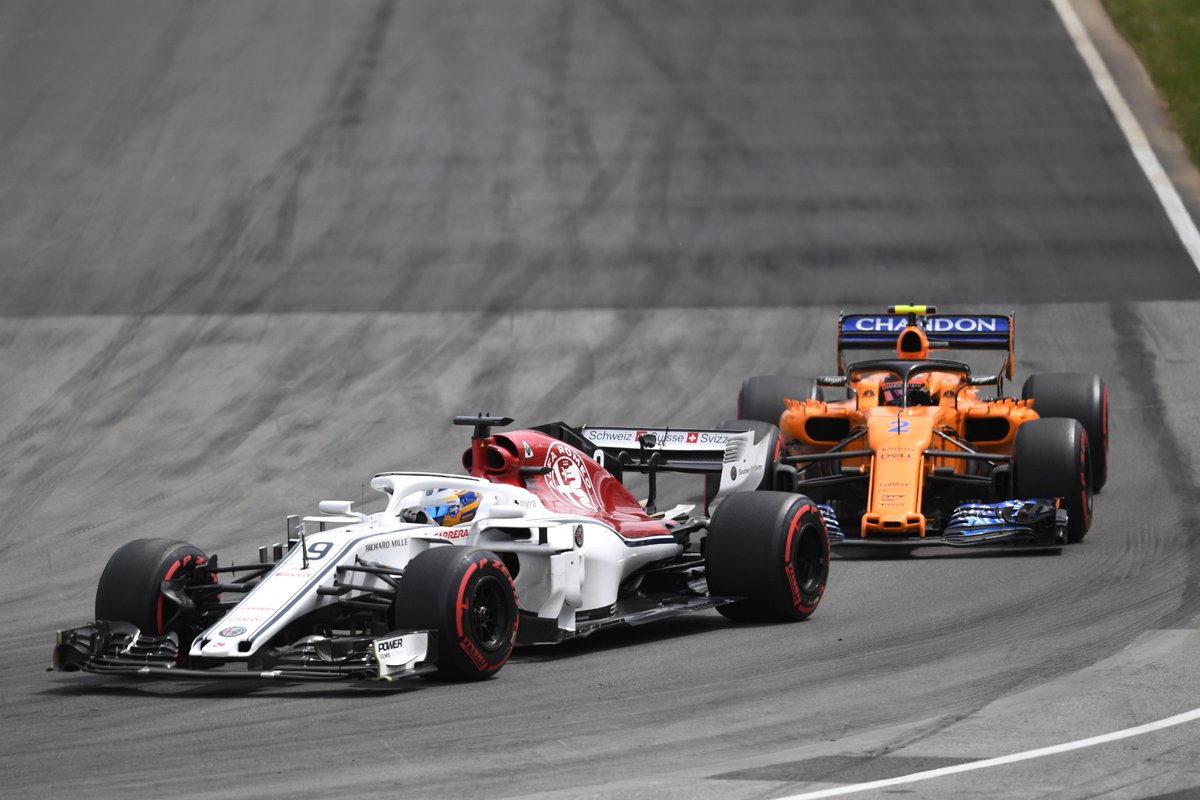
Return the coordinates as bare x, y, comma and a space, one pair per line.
916, 455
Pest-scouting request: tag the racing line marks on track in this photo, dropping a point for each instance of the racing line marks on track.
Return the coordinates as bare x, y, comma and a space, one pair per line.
1066, 747
1134, 135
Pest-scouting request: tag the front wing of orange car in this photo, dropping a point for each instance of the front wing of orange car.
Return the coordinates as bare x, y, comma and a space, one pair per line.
1035, 523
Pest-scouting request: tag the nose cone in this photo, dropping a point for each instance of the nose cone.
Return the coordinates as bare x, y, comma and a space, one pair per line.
893, 524
899, 438
224, 642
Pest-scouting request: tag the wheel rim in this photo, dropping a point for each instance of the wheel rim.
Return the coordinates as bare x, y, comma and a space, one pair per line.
173, 617
489, 614
809, 557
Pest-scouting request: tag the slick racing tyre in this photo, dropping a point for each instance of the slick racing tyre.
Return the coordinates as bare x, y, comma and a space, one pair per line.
1077, 396
761, 397
130, 588
772, 549
1050, 459
774, 448
468, 597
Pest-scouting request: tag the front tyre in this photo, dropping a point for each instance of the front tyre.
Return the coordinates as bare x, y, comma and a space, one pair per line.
467, 596
130, 588
772, 549
1051, 459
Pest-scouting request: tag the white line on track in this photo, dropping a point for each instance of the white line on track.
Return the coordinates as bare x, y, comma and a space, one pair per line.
1149, 727
1177, 213
1185, 227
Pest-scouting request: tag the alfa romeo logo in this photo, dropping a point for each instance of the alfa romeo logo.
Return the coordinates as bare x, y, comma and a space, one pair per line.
569, 477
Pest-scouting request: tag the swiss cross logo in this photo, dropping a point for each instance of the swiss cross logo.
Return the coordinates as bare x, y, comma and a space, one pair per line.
693, 437
638, 435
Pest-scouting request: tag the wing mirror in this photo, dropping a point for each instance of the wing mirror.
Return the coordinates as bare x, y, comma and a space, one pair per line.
341, 508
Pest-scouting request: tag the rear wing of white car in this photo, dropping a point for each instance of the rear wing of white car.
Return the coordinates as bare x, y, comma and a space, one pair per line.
673, 450
736, 459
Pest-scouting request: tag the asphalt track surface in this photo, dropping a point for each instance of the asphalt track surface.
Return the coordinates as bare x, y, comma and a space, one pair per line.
253, 252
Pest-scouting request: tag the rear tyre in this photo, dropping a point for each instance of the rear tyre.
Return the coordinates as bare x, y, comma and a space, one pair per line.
1081, 397
774, 450
130, 588
1051, 459
762, 397
467, 596
772, 549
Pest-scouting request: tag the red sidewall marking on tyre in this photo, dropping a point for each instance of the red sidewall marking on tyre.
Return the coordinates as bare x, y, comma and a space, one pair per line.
463, 608
789, 569
477, 658
461, 604
820, 588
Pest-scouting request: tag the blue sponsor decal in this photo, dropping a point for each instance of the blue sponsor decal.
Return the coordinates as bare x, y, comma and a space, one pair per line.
967, 325
973, 519
874, 324
979, 324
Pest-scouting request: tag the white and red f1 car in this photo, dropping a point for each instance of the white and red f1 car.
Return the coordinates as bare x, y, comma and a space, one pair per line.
540, 542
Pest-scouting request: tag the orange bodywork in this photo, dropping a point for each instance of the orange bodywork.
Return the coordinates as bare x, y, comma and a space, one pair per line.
897, 445
900, 438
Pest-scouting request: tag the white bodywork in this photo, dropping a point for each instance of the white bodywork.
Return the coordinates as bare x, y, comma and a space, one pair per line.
566, 563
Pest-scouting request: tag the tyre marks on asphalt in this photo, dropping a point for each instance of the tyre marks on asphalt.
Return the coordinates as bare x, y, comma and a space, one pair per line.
1140, 365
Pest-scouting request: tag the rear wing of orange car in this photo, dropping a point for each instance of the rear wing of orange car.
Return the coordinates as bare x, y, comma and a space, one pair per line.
933, 331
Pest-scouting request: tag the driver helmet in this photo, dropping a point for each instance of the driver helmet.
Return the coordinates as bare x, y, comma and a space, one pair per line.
892, 392
449, 507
